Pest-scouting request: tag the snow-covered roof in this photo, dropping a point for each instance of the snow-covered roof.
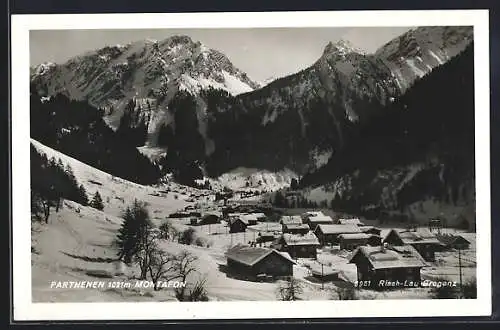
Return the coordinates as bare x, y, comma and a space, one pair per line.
381, 257
296, 239
355, 236
352, 221
251, 255
338, 229
312, 213
321, 219
248, 217
418, 236
216, 213
290, 219
365, 229
296, 226
448, 239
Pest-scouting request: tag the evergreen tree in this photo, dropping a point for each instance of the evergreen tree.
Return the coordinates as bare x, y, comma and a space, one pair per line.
97, 202
82, 196
135, 227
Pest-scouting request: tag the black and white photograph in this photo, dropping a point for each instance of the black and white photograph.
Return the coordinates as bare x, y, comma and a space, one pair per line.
342, 162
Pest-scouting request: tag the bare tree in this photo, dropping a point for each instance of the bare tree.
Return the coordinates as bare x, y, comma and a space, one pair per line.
185, 265
290, 289
161, 265
147, 246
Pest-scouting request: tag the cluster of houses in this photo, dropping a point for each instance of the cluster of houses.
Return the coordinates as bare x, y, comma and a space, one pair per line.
400, 255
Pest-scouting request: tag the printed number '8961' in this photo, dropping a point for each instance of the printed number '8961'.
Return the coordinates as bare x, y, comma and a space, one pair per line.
362, 283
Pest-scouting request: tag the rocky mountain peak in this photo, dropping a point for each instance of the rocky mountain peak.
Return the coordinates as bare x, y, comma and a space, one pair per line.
341, 47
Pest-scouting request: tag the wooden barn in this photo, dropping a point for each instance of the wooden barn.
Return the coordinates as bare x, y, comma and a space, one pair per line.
290, 219
350, 221
387, 263
264, 237
237, 225
425, 242
456, 242
250, 262
352, 241
370, 230
309, 214
211, 217
250, 219
314, 221
295, 228
261, 217
298, 246
329, 234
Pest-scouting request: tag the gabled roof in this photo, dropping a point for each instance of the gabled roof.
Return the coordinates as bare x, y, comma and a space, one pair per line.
352, 221
390, 257
234, 220
297, 239
364, 229
289, 219
418, 236
448, 239
296, 226
248, 217
338, 229
320, 219
251, 255
355, 236
215, 213
312, 213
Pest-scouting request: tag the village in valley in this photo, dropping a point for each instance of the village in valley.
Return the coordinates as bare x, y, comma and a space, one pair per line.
246, 248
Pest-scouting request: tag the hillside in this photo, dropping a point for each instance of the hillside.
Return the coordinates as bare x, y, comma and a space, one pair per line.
420, 151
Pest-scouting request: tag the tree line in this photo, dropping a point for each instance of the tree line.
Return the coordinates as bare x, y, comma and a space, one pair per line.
51, 183
78, 129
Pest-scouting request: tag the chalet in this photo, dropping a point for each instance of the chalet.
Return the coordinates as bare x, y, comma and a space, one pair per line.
298, 246
352, 221
236, 225
370, 230
425, 242
305, 216
295, 228
211, 217
249, 219
290, 219
260, 216
450, 241
264, 237
250, 262
352, 241
319, 220
329, 234
382, 264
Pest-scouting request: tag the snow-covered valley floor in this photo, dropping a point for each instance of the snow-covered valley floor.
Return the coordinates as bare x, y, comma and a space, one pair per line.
78, 245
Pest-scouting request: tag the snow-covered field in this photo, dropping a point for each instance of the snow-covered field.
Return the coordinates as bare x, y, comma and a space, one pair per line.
260, 180
78, 245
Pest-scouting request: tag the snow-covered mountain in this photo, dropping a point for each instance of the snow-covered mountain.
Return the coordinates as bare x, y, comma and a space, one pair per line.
148, 70
417, 52
296, 122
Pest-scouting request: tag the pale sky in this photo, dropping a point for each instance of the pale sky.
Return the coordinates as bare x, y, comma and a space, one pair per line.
260, 52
